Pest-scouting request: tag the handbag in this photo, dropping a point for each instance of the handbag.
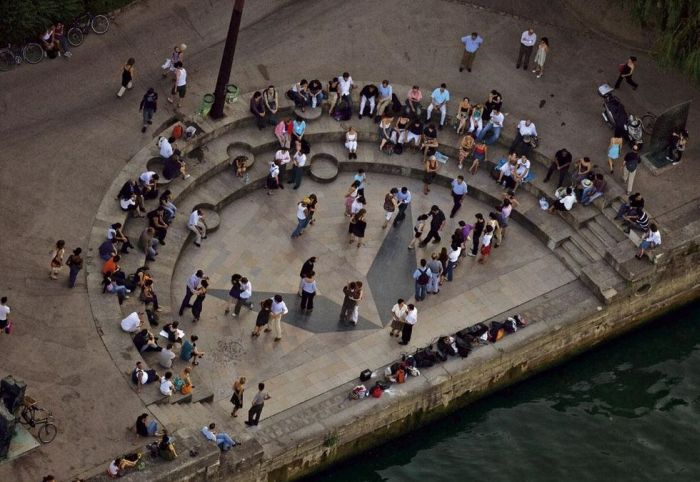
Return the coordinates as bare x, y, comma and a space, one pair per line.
9, 327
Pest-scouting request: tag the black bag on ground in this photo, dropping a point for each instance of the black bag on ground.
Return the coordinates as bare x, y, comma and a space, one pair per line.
342, 111
408, 360
398, 149
478, 329
445, 347
365, 375
423, 360
463, 347
152, 316
395, 105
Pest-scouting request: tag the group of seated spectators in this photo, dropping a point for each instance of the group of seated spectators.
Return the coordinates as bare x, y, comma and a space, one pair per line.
55, 41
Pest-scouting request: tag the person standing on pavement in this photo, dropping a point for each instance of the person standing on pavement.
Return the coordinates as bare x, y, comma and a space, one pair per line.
471, 45
437, 221
191, 286
625, 73
298, 164
75, 264
527, 40
486, 243
390, 205
347, 306
436, 271
244, 296
277, 311
398, 313
57, 258
282, 158
560, 163
128, 72
404, 199
476, 233
422, 276
357, 295
237, 397
257, 405
234, 293
410, 321
308, 291
149, 106
179, 84
263, 317
201, 294
459, 190
629, 168
541, 56
302, 218
306, 268
4, 313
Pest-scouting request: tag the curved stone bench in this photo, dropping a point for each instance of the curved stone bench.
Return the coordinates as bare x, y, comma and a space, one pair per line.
211, 216
309, 113
323, 168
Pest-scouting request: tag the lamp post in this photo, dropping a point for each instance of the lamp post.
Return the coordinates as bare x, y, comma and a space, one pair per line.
217, 110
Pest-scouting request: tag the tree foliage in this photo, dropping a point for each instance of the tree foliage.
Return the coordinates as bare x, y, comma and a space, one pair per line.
23, 20
678, 26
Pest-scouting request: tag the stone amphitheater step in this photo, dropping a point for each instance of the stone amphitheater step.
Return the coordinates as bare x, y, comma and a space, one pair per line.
592, 238
576, 253
604, 230
589, 249
604, 280
567, 259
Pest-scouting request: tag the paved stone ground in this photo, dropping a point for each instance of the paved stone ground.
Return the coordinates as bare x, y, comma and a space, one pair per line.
65, 136
308, 363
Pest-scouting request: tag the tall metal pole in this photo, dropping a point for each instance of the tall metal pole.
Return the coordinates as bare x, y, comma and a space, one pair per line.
217, 110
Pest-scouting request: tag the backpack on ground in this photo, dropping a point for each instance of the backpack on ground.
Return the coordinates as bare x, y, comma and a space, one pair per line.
376, 390
423, 277
463, 347
365, 375
153, 317
177, 132
445, 346
398, 149
496, 332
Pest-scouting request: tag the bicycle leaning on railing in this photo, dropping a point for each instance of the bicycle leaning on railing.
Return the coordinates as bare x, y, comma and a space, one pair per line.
33, 416
32, 53
82, 26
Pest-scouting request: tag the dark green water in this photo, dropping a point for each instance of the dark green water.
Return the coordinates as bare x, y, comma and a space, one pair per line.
627, 411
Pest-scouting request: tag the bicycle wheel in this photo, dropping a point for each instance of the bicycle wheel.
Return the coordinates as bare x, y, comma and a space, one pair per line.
75, 36
33, 53
47, 432
7, 61
100, 24
648, 121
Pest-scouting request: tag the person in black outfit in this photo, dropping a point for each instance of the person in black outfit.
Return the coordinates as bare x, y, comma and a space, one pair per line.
561, 162
369, 94
437, 220
476, 233
307, 268
626, 71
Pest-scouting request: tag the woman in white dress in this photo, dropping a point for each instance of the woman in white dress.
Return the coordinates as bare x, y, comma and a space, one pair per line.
351, 143
541, 56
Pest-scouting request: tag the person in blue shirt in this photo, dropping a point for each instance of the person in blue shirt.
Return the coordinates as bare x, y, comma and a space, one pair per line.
438, 100
404, 199
459, 189
385, 95
471, 45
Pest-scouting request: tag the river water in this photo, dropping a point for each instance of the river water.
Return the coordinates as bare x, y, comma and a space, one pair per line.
626, 411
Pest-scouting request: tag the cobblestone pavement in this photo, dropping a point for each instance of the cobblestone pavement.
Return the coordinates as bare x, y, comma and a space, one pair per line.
66, 136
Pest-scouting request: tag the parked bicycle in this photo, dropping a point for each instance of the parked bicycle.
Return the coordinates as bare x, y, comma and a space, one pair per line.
32, 53
34, 416
84, 24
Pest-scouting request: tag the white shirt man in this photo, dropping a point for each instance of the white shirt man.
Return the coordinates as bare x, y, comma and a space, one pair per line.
497, 118
522, 168
410, 320
356, 206
198, 226
166, 149
132, 323
193, 282
439, 99
345, 84
299, 159
653, 237
278, 309
147, 177
246, 290
166, 387
4, 312
282, 157
453, 255
568, 201
528, 38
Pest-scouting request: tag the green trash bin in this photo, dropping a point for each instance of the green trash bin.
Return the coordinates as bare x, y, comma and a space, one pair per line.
232, 93
207, 102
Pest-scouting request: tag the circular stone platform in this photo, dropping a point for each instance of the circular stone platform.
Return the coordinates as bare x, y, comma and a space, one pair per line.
324, 168
234, 150
156, 164
309, 114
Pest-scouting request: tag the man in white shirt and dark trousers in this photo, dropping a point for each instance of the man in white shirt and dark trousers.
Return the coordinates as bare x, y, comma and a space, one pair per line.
345, 86
193, 283
282, 158
298, 169
244, 296
4, 312
459, 190
278, 309
198, 226
527, 42
404, 199
409, 322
